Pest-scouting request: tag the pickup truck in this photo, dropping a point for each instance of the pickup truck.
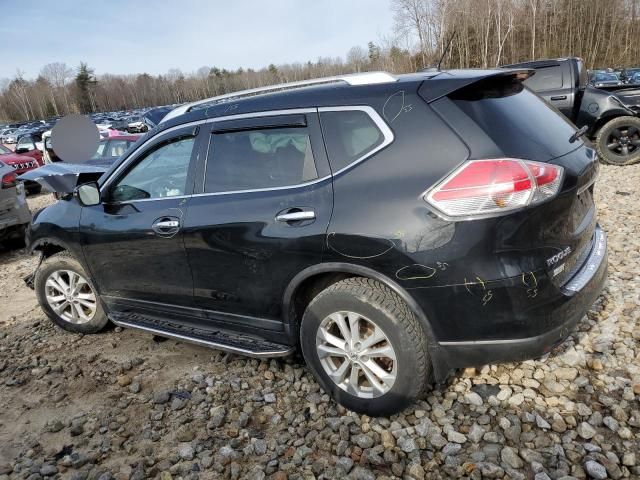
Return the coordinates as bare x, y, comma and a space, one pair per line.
608, 115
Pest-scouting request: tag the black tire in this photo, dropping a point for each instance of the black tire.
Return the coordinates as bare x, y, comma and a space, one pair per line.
34, 189
64, 261
16, 238
381, 305
627, 130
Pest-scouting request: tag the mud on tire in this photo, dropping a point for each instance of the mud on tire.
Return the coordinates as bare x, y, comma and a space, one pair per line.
375, 304
65, 266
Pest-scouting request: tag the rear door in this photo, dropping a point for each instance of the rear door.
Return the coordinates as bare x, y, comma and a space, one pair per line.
261, 215
133, 241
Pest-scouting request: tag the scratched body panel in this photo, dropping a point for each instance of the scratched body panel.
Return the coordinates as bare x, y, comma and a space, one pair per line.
484, 279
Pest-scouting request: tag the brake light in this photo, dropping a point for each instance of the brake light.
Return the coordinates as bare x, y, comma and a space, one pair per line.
491, 187
9, 180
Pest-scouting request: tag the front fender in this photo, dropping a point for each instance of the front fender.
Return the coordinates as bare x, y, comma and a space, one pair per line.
57, 225
597, 107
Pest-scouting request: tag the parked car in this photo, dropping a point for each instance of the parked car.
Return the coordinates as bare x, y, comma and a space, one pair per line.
391, 227
136, 125
630, 75
605, 80
14, 211
21, 164
609, 115
9, 136
110, 147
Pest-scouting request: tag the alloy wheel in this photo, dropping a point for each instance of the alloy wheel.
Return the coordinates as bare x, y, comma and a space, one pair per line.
70, 296
624, 141
356, 354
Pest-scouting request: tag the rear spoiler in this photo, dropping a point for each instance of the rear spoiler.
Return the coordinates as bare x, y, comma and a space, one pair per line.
452, 80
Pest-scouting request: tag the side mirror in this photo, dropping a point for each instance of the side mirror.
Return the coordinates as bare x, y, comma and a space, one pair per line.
88, 194
22, 150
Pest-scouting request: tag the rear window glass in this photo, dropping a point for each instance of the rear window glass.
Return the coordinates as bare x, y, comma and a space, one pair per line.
349, 135
519, 122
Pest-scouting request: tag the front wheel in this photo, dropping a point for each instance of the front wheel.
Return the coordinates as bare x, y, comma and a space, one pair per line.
618, 141
365, 347
67, 296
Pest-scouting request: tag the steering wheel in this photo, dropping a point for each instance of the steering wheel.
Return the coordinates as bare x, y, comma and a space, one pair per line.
164, 187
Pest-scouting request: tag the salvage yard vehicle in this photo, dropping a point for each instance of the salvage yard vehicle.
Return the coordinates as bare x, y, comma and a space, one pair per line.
609, 114
14, 211
391, 228
21, 163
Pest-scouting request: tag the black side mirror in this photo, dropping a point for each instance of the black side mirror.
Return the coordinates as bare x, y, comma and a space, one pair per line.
88, 194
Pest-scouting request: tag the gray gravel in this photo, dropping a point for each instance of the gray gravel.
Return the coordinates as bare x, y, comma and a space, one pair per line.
121, 405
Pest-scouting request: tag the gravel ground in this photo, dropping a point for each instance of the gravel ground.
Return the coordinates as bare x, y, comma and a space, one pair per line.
124, 404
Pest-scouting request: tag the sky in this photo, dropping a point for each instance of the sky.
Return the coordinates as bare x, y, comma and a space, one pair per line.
121, 37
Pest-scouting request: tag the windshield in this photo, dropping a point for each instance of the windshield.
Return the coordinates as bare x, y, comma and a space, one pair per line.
606, 77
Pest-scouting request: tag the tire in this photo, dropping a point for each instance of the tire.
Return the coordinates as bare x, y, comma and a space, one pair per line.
34, 189
60, 268
16, 237
377, 308
620, 135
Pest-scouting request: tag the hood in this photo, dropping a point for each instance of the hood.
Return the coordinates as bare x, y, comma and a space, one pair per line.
64, 177
12, 158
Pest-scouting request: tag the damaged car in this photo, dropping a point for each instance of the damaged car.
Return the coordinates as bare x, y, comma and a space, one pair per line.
14, 211
389, 228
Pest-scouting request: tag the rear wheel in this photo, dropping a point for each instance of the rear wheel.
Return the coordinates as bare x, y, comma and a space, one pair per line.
618, 141
365, 347
67, 295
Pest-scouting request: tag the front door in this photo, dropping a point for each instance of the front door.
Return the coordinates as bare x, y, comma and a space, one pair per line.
261, 216
133, 241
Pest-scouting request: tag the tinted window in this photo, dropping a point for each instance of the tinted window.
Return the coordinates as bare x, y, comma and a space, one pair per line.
519, 122
256, 159
349, 135
161, 173
545, 78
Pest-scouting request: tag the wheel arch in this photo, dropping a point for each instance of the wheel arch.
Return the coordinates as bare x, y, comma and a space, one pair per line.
313, 279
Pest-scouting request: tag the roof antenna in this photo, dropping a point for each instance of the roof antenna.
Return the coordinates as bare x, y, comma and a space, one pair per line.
446, 49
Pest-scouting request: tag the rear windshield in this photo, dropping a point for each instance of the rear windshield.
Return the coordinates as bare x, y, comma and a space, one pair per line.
519, 122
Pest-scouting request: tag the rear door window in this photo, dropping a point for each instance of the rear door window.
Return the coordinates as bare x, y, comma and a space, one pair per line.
545, 78
349, 136
258, 159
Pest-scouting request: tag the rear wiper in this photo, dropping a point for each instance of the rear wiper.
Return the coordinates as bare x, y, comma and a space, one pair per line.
578, 133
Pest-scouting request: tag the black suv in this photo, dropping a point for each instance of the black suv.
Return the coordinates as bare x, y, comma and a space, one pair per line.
390, 227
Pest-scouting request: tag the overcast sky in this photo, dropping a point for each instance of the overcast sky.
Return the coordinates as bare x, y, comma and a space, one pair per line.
118, 36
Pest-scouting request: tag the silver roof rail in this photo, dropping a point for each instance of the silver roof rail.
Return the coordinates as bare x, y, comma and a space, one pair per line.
367, 78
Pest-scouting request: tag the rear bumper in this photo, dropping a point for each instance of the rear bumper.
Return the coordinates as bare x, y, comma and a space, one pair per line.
562, 314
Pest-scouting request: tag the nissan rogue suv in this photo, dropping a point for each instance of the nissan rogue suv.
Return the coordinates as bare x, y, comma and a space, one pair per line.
390, 228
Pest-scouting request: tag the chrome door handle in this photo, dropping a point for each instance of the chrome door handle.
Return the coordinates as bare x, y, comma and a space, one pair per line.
296, 216
167, 224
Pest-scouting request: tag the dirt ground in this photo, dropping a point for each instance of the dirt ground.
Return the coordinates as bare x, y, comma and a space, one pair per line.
124, 404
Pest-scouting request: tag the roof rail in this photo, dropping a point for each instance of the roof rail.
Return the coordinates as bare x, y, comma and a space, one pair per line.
367, 78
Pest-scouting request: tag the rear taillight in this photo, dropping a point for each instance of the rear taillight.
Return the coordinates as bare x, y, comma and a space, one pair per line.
489, 187
9, 180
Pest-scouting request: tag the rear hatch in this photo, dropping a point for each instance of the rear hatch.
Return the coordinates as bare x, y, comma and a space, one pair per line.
497, 117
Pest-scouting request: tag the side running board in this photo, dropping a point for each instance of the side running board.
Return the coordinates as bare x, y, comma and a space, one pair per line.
217, 339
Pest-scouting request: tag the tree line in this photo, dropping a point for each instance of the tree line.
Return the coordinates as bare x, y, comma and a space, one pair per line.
478, 33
